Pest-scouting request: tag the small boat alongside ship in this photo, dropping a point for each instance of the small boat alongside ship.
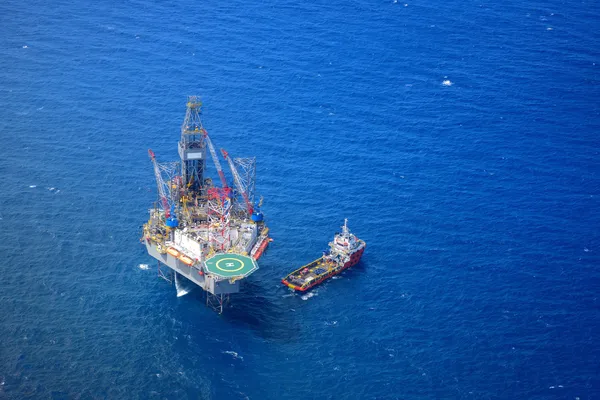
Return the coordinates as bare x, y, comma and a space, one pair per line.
345, 250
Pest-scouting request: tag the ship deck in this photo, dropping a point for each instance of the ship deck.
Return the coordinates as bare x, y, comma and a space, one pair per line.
310, 274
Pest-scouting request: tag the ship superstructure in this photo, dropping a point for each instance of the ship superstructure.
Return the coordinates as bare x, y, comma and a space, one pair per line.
212, 234
345, 250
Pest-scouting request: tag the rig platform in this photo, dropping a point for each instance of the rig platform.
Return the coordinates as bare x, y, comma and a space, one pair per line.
211, 234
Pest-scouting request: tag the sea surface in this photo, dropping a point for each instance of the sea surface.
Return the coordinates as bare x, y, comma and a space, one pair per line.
459, 138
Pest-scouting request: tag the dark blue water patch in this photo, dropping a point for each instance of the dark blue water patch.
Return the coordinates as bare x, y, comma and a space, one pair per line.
458, 138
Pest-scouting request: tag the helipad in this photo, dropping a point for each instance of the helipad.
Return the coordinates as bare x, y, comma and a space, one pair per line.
230, 265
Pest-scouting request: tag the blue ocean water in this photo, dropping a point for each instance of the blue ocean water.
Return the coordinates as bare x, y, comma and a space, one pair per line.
460, 139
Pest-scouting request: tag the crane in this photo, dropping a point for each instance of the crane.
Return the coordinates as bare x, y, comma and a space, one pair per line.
163, 189
238, 181
213, 154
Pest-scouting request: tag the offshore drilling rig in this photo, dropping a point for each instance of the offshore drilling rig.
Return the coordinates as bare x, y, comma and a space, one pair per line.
210, 234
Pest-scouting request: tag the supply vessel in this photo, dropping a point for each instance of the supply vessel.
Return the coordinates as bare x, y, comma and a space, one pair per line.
210, 233
345, 250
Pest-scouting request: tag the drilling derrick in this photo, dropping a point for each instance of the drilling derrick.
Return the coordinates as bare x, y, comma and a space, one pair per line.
192, 147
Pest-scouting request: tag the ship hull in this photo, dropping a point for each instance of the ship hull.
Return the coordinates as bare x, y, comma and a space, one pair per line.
354, 259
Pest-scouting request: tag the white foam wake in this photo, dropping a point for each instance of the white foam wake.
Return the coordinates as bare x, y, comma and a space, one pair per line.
308, 295
181, 291
233, 354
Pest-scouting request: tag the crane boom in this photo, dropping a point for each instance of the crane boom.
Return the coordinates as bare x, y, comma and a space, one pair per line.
238, 181
160, 184
213, 154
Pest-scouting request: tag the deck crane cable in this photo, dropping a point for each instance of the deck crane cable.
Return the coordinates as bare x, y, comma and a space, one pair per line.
238, 181
164, 200
213, 154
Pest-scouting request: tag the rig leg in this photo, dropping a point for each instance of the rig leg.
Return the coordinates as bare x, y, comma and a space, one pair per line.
217, 301
167, 277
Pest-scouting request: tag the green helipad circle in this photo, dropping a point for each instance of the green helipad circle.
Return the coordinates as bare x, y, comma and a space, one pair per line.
230, 265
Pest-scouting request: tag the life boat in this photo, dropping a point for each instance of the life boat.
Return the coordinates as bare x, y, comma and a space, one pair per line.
173, 252
186, 260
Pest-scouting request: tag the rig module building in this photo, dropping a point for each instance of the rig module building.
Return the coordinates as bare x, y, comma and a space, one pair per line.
211, 234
